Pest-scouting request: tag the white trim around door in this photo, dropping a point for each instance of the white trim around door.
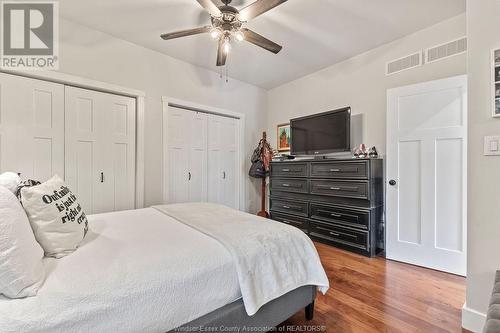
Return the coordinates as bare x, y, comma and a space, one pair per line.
173, 102
80, 82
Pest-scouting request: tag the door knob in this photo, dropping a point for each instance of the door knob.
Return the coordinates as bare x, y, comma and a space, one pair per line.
392, 182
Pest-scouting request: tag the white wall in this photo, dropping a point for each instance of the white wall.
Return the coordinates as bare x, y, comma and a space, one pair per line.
360, 82
99, 56
483, 27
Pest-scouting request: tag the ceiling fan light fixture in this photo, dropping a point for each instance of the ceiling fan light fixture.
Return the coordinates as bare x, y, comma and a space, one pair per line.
240, 36
215, 33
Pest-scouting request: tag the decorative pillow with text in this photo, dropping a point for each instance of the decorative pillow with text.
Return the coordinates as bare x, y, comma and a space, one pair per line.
57, 219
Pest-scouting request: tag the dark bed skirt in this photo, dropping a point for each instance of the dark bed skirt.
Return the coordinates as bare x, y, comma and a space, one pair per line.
233, 317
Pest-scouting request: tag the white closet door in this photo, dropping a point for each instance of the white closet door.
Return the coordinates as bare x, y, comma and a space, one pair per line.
100, 149
178, 155
197, 134
230, 152
31, 127
222, 160
215, 160
119, 171
187, 156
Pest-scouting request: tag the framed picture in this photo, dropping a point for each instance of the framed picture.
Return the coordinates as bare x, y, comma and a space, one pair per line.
284, 137
495, 77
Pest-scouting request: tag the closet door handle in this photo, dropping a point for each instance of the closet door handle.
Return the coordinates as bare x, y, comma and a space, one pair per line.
102, 177
189, 175
223, 174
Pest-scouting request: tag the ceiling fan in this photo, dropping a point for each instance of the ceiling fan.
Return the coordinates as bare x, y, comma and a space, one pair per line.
227, 23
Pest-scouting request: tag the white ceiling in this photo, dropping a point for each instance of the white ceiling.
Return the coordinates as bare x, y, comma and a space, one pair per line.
315, 33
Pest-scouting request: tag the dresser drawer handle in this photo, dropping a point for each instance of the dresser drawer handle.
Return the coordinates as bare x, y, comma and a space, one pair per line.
292, 207
343, 233
291, 170
335, 170
344, 188
338, 233
292, 185
338, 215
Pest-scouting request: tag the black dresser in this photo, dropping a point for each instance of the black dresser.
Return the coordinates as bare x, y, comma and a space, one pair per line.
335, 201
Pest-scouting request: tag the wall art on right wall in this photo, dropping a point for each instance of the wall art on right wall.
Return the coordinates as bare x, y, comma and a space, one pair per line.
496, 82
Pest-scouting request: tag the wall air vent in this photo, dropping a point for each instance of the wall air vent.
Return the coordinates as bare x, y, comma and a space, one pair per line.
401, 64
446, 50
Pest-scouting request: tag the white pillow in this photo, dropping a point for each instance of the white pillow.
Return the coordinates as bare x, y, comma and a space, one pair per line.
10, 180
56, 217
21, 266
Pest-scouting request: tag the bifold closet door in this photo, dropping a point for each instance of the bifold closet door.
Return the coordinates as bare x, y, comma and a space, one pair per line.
31, 127
223, 142
187, 156
100, 149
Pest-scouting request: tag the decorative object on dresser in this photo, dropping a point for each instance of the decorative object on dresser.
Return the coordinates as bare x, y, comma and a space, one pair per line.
335, 201
284, 137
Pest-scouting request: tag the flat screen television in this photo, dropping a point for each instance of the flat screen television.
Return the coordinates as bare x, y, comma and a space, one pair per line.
322, 133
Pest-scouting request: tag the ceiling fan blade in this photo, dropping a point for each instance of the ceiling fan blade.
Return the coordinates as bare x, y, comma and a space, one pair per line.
221, 55
256, 39
210, 7
257, 8
184, 33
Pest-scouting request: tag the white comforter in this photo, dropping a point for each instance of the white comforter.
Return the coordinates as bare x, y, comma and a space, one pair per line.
271, 258
137, 271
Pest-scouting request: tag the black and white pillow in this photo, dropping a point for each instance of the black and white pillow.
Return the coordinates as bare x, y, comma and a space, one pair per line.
58, 220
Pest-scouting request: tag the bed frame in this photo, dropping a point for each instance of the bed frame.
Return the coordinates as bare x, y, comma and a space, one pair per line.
269, 316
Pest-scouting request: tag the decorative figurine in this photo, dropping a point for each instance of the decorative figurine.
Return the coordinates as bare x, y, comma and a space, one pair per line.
362, 151
373, 152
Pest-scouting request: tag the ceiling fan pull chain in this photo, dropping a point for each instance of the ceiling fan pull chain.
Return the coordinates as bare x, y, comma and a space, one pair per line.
227, 70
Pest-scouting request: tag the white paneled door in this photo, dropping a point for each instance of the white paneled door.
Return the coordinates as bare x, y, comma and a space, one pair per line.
187, 156
426, 174
223, 142
31, 127
100, 149
201, 158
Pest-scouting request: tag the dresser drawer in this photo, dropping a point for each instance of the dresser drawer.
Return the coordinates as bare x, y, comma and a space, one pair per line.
345, 216
289, 185
289, 206
356, 170
295, 221
342, 235
289, 170
347, 189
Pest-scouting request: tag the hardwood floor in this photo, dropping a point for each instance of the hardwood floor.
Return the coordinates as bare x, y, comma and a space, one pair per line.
378, 295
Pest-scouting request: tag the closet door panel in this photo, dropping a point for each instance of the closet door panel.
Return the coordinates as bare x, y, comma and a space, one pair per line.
230, 194
31, 127
100, 149
230, 160
215, 160
121, 141
178, 156
198, 156
85, 155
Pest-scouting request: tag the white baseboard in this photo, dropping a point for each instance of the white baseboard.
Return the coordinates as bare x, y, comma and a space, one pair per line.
472, 320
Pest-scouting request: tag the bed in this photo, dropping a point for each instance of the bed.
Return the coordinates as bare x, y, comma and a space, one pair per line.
149, 270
